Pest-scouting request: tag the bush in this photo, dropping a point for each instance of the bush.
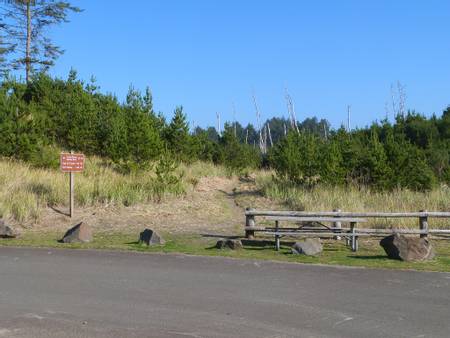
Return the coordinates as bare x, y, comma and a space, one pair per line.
236, 157
167, 180
297, 158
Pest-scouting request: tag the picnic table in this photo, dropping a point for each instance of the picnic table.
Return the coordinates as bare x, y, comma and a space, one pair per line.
317, 224
307, 228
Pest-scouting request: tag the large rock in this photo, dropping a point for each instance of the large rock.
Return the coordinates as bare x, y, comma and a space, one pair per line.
6, 231
407, 248
150, 237
80, 233
233, 244
308, 247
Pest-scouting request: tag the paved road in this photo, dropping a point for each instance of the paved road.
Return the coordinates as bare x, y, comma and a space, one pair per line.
65, 293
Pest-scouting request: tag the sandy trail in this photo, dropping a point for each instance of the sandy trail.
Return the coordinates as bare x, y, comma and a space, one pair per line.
209, 207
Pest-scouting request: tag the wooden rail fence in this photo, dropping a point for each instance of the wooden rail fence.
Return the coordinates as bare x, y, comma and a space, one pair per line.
336, 218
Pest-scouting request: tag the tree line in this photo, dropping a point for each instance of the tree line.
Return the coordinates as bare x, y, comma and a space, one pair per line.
42, 115
45, 115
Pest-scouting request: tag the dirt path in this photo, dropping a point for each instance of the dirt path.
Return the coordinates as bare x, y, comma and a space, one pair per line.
209, 207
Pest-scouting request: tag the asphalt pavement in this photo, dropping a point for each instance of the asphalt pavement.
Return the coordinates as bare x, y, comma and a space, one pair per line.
82, 293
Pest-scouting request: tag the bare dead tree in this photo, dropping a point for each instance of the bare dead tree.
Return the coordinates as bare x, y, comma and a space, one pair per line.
393, 101
398, 100
219, 127
386, 109
262, 144
234, 119
348, 118
27, 24
270, 134
265, 139
291, 111
401, 99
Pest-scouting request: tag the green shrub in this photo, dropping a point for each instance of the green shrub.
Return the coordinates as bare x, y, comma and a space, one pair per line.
167, 179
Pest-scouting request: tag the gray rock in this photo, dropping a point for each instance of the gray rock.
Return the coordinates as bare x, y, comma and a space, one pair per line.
407, 248
233, 244
80, 233
6, 231
150, 237
308, 247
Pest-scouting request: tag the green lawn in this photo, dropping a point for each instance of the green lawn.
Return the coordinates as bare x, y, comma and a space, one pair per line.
370, 254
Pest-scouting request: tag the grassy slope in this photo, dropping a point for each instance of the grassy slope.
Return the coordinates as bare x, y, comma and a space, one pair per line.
25, 193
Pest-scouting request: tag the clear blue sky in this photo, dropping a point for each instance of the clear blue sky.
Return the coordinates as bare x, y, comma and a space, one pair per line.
206, 54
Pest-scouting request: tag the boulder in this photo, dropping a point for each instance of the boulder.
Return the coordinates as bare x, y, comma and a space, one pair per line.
6, 231
407, 248
308, 247
150, 237
80, 233
233, 244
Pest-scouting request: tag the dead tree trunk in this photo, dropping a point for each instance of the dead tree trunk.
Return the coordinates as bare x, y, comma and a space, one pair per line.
28, 45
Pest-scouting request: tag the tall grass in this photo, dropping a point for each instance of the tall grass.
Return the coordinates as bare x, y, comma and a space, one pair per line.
325, 198
25, 190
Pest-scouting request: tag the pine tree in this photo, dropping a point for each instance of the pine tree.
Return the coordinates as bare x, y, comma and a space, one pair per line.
26, 25
20, 133
378, 171
297, 158
234, 155
415, 173
332, 167
143, 141
112, 130
177, 136
5, 49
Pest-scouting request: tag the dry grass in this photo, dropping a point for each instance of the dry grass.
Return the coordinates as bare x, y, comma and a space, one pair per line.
25, 191
358, 200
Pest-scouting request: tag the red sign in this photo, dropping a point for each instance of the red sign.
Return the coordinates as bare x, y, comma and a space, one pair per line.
71, 162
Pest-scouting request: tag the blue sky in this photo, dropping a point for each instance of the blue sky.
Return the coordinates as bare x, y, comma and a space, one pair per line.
205, 55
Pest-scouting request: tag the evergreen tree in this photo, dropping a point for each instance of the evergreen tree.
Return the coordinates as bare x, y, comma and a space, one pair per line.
376, 169
48, 114
332, 169
177, 136
234, 155
415, 174
251, 135
26, 24
19, 132
5, 49
112, 131
203, 147
297, 158
143, 141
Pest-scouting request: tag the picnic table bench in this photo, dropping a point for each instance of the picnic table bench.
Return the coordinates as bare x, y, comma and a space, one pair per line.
308, 230
313, 224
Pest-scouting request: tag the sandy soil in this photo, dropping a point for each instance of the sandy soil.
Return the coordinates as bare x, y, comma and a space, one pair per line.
211, 207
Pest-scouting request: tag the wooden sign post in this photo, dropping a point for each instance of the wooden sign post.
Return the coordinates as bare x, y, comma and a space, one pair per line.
71, 163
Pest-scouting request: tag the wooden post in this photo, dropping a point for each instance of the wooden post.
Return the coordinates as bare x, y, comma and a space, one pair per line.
277, 237
423, 224
249, 223
71, 192
354, 239
337, 225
